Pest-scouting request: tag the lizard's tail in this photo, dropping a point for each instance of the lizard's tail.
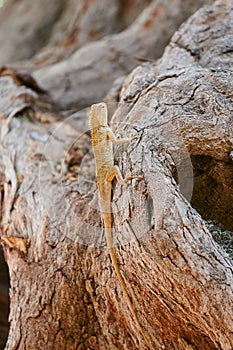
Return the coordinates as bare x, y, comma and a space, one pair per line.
108, 231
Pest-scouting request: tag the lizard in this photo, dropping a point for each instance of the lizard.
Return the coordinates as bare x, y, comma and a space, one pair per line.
103, 139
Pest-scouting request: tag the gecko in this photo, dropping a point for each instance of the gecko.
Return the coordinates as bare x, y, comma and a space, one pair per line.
103, 139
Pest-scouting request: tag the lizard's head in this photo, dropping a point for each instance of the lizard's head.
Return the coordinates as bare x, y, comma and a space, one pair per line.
99, 114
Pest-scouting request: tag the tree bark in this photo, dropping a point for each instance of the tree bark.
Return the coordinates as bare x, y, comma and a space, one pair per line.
67, 26
64, 292
4, 300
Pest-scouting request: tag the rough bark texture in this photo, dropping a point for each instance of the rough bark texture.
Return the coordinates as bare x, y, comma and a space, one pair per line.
88, 73
64, 292
4, 300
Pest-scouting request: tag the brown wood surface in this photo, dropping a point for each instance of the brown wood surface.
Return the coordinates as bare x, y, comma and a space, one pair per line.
64, 292
4, 300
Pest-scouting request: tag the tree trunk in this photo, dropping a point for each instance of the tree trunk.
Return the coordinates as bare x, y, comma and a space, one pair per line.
64, 291
4, 300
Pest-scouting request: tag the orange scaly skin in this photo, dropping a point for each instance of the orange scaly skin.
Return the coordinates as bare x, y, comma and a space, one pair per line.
102, 142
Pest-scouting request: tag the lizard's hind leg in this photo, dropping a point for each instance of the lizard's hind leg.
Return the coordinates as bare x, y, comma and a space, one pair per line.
114, 171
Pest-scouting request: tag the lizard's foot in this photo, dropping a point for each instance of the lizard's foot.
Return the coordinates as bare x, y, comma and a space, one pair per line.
133, 175
134, 137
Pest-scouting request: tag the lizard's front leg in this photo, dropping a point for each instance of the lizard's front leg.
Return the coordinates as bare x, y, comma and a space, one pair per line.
116, 141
